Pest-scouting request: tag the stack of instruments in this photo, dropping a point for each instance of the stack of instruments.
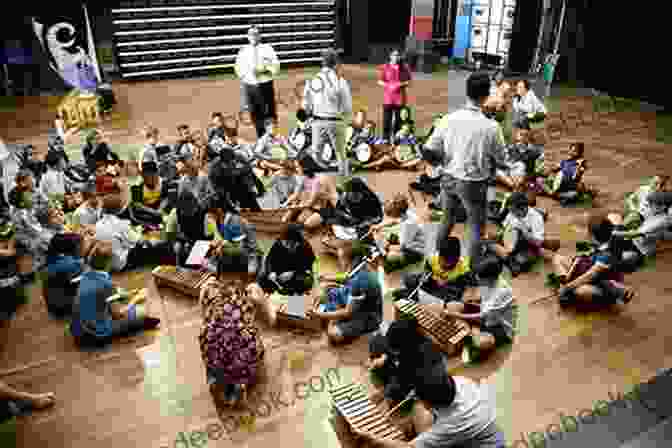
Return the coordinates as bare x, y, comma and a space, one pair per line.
186, 281
447, 335
352, 403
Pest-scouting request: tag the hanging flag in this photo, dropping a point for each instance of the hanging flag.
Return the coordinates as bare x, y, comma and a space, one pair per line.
67, 45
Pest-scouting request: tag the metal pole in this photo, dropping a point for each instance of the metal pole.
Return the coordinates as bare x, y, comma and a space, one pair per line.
560, 27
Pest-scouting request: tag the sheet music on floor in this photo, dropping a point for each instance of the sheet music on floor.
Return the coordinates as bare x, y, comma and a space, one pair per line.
197, 257
296, 306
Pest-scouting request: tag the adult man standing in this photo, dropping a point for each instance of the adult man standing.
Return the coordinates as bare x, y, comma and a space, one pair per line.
256, 65
327, 97
471, 150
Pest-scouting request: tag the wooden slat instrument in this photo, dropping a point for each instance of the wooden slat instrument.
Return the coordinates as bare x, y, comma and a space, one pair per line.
352, 403
269, 220
447, 335
186, 281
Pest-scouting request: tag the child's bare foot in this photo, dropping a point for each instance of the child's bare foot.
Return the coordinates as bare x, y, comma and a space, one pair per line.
42, 401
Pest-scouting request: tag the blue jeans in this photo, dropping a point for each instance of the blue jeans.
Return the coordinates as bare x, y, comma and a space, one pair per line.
473, 195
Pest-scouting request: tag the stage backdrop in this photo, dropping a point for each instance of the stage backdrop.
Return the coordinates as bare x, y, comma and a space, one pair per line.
67, 46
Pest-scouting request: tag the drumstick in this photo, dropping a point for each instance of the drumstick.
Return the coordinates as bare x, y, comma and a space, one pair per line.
396, 408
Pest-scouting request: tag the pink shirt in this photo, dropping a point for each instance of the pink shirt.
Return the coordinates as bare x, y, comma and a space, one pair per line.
392, 75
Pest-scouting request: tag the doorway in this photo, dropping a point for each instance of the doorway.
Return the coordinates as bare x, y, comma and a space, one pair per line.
388, 27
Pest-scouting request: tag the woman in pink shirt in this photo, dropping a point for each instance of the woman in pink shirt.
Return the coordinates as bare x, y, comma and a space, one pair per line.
394, 77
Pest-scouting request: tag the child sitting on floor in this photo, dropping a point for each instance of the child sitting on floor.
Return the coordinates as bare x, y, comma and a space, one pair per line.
494, 317
300, 137
91, 210
408, 245
523, 160
396, 358
447, 274
235, 240
96, 319
283, 184
522, 242
594, 277
565, 181
654, 204
269, 148
404, 155
54, 183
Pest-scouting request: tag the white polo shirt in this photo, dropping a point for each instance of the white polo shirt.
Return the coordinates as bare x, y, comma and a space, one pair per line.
250, 57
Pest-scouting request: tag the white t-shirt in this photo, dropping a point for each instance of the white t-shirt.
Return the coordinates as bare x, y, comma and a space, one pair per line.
469, 422
531, 226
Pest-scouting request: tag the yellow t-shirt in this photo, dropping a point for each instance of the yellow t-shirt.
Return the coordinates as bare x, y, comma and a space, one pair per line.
441, 276
151, 197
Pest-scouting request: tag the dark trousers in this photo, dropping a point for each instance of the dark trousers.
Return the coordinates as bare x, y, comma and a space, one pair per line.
259, 101
299, 284
391, 120
151, 253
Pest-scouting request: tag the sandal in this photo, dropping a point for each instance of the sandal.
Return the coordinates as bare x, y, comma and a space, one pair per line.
629, 295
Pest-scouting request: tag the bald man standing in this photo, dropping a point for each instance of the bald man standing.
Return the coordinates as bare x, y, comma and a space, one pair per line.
256, 66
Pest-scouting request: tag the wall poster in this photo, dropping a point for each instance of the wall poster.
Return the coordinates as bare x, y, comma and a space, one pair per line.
67, 45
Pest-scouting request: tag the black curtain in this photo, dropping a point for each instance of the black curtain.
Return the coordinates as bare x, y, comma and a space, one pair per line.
524, 36
626, 45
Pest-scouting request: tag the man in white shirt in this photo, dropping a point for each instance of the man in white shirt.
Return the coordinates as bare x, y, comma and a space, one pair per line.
328, 99
256, 65
472, 150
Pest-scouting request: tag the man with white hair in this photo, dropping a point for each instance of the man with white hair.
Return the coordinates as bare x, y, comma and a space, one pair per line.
256, 65
328, 99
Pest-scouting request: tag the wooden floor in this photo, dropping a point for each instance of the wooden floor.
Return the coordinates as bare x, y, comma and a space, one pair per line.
146, 390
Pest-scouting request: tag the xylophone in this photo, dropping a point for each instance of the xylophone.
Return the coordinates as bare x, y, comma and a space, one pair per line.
353, 404
186, 281
267, 221
448, 335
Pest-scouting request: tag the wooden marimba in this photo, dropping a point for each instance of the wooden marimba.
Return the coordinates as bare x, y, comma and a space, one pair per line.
186, 281
447, 335
352, 403
267, 221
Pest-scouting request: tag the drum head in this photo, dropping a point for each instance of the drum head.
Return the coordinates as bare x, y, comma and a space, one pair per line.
327, 152
344, 233
299, 140
363, 152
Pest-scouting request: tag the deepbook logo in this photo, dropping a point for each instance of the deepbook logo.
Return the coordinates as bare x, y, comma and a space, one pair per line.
258, 407
555, 431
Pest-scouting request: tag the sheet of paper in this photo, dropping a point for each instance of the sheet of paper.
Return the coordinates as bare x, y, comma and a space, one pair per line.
296, 306
198, 253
